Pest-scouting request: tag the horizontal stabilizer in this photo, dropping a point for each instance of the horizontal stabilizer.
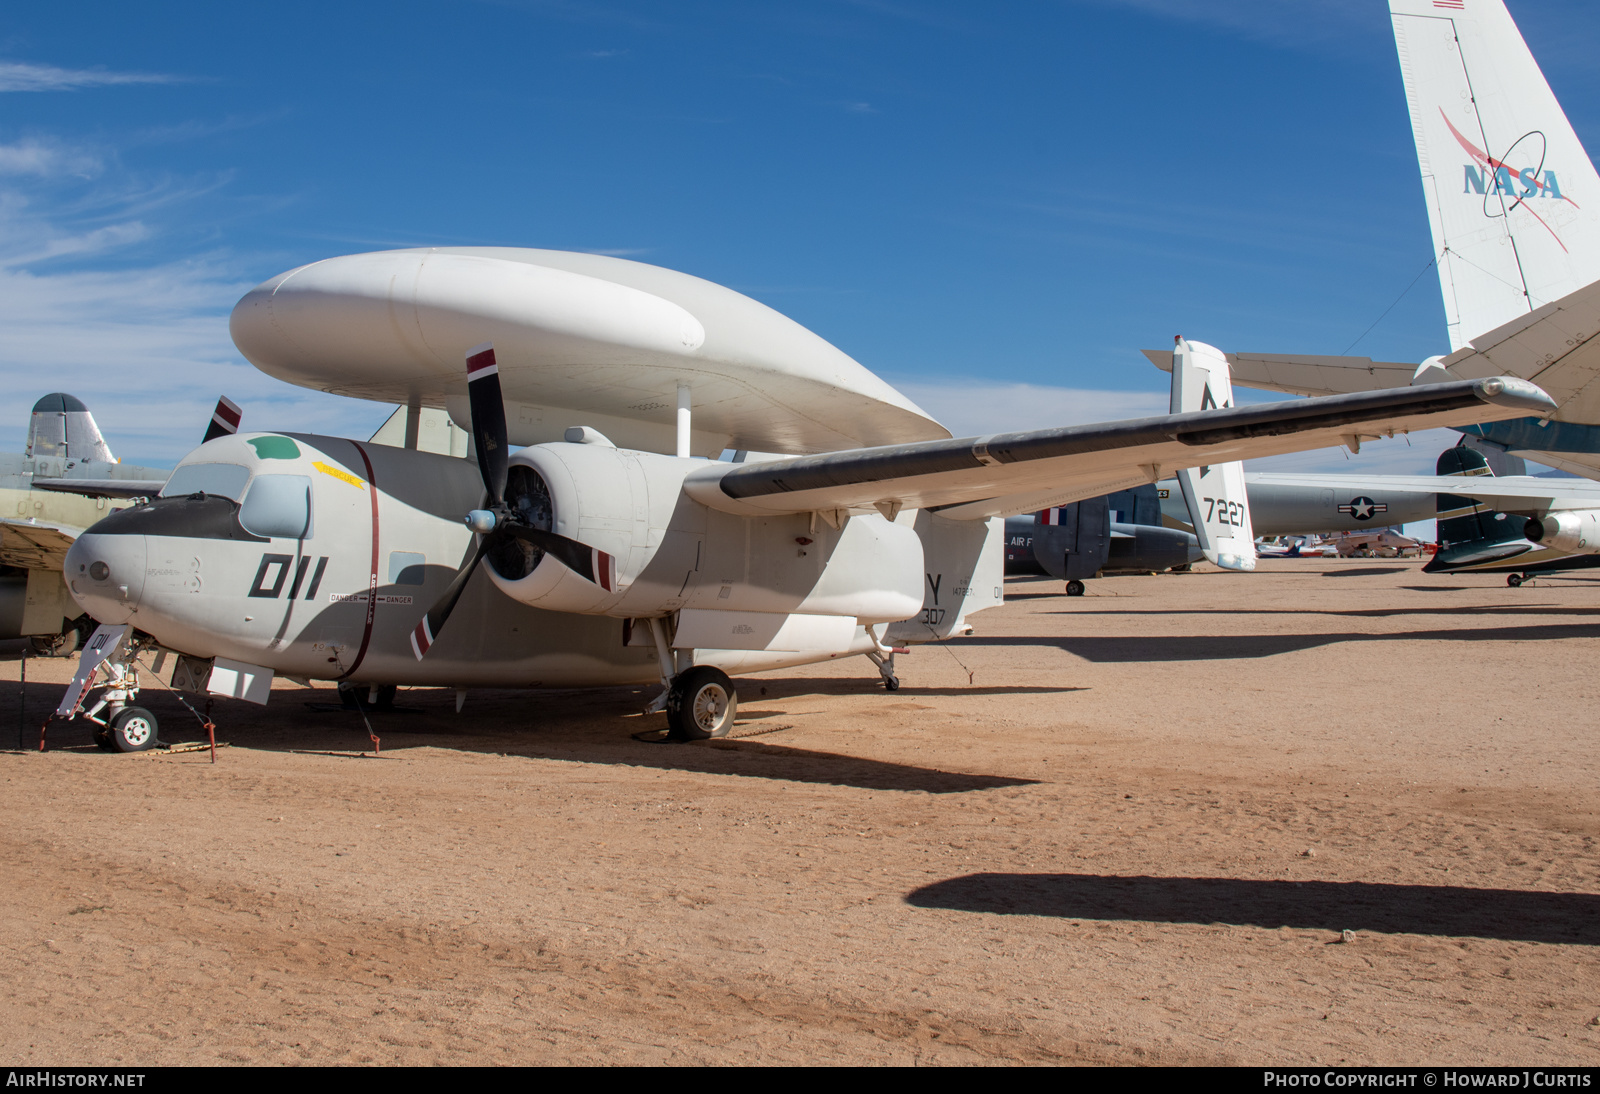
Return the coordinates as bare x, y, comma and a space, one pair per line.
103, 488
1305, 374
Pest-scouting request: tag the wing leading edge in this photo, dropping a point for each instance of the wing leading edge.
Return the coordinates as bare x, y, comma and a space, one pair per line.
980, 477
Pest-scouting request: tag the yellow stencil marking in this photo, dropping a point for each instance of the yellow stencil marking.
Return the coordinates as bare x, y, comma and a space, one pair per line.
339, 473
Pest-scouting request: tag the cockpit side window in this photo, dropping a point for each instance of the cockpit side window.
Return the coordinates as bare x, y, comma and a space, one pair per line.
225, 480
278, 505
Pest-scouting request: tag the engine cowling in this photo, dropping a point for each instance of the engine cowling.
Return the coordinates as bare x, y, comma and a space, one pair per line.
673, 553
1576, 531
604, 497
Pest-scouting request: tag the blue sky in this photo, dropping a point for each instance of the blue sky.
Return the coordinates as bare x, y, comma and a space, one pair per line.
995, 207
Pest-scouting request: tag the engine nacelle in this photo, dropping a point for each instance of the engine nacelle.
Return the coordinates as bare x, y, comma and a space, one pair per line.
674, 553
617, 500
1575, 531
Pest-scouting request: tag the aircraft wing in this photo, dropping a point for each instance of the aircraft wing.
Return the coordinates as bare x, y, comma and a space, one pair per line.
980, 477
1555, 346
1508, 494
1305, 374
35, 545
103, 488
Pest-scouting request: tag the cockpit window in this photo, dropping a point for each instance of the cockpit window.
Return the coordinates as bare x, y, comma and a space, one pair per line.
217, 479
278, 505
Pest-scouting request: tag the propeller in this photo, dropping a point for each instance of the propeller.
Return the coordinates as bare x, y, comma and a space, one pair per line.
500, 522
224, 420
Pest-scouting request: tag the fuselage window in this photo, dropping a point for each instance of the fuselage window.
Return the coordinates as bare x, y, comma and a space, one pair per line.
218, 479
278, 505
406, 568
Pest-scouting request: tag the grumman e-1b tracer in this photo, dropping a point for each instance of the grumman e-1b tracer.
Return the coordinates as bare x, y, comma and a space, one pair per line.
587, 558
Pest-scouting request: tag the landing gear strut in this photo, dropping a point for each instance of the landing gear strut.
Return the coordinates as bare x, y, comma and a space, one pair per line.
110, 659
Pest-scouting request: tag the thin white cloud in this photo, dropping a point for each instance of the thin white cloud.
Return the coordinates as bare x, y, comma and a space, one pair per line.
22, 76
44, 158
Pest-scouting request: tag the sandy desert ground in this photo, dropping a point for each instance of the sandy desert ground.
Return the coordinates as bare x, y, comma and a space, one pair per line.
1129, 827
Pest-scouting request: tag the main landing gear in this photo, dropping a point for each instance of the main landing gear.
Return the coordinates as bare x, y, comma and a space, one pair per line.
1515, 580
1074, 587
700, 700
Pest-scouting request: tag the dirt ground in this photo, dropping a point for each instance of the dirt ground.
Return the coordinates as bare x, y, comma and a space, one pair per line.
1127, 827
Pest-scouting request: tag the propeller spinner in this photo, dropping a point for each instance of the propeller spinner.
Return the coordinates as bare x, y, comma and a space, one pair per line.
499, 521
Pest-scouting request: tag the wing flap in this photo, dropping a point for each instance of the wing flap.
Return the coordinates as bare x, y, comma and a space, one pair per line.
998, 470
35, 546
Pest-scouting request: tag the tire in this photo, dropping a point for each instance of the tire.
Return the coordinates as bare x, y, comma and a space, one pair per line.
102, 739
1074, 587
1514, 580
701, 704
64, 644
133, 730
891, 683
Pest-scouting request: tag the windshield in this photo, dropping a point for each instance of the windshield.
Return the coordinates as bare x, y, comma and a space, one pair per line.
216, 479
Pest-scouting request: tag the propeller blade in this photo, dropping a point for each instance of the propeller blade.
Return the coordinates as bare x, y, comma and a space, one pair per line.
488, 420
589, 563
224, 420
427, 631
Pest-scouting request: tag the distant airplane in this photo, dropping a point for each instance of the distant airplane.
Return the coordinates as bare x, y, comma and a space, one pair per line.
64, 482
1512, 199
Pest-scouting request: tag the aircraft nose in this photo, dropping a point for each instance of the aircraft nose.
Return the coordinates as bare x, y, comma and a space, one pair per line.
105, 575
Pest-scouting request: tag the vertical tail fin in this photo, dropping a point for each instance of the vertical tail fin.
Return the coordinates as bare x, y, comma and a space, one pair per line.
1219, 509
63, 426
1471, 533
1513, 201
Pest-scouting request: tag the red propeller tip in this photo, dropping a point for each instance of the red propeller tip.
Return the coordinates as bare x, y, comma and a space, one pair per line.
481, 362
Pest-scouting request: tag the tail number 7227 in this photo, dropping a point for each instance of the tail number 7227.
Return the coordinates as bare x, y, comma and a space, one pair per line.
1223, 511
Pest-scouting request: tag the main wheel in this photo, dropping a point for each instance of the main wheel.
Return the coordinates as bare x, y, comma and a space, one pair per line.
701, 704
1514, 580
102, 739
1074, 587
64, 644
133, 730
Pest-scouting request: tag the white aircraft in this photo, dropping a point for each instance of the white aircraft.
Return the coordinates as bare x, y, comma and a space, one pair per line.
1514, 206
318, 557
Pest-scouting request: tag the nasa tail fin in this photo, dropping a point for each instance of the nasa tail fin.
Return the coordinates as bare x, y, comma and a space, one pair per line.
62, 426
1471, 533
1218, 506
1513, 200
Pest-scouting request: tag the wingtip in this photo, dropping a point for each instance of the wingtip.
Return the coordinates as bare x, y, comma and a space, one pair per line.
1512, 391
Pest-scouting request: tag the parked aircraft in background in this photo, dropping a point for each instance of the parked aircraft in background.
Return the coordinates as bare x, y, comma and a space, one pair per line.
325, 558
65, 481
1512, 199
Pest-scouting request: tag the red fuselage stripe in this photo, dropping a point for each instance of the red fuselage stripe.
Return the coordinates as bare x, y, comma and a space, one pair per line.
372, 583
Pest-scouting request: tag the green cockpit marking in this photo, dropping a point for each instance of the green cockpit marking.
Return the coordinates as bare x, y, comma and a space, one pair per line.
275, 448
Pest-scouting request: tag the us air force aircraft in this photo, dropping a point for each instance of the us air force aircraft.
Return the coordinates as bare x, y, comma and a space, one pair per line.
64, 482
608, 561
1513, 202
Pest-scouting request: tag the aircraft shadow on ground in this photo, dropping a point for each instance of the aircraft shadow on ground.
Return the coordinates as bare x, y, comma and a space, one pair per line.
1230, 647
569, 726
1442, 910
1353, 613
